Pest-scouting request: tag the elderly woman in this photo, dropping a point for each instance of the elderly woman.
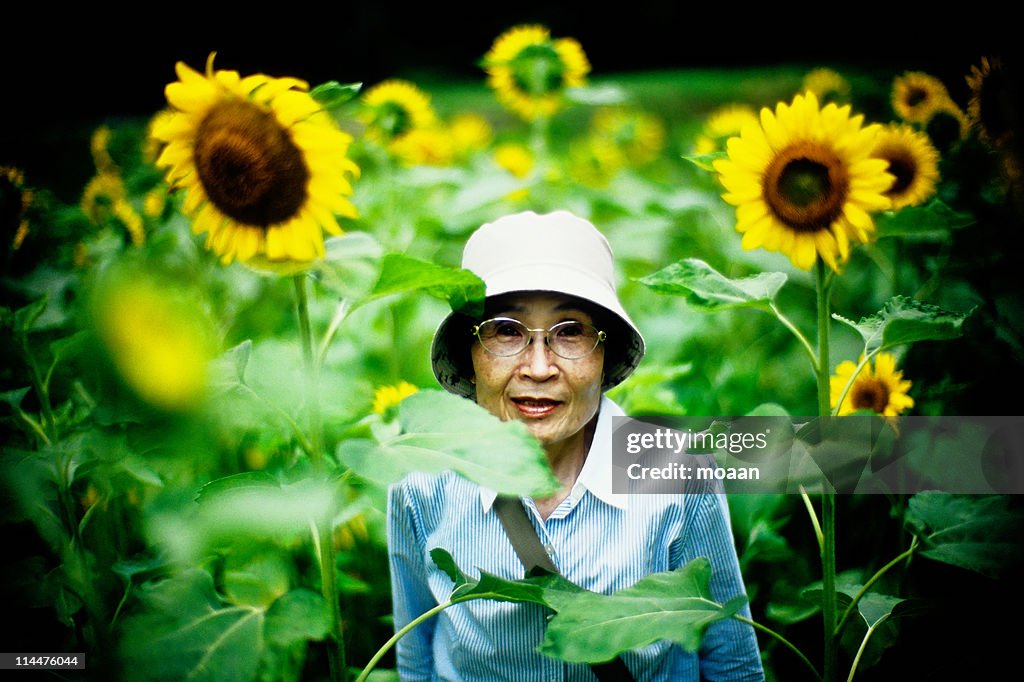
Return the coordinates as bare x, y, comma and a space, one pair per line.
553, 339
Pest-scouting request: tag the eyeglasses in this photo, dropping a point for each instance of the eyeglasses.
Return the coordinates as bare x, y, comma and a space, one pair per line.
505, 337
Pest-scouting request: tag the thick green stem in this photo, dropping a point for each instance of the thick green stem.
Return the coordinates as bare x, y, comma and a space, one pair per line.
323, 531
828, 501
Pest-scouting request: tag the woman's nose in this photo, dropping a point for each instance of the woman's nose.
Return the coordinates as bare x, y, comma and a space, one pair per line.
539, 362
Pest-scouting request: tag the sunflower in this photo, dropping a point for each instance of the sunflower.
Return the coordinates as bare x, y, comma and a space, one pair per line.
394, 108
529, 71
721, 124
386, 398
804, 182
265, 168
470, 133
995, 105
594, 161
156, 342
913, 161
638, 134
916, 95
517, 159
881, 389
15, 199
828, 85
424, 147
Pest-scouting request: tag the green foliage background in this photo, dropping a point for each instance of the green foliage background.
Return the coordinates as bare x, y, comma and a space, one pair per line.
134, 531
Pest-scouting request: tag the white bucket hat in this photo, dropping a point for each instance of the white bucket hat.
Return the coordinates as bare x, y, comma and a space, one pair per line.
555, 252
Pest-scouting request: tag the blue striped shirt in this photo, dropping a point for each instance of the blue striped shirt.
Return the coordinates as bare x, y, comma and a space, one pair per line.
598, 539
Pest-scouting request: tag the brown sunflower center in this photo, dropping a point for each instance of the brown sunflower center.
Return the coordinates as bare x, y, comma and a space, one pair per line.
249, 166
916, 96
870, 394
805, 186
903, 168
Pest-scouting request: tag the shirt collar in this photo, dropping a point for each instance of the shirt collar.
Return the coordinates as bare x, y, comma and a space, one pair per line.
596, 475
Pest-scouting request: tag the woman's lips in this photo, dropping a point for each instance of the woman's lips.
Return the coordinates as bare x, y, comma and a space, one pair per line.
535, 408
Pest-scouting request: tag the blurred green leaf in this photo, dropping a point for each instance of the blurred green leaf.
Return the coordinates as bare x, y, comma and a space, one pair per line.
677, 606
256, 576
14, 398
981, 534
462, 289
706, 288
254, 504
333, 94
298, 616
933, 220
904, 320
182, 631
441, 431
705, 161
25, 317
351, 264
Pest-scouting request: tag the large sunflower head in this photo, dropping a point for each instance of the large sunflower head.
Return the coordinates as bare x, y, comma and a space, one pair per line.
394, 108
913, 162
916, 95
530, 71
880, 389
265, 168
804, 182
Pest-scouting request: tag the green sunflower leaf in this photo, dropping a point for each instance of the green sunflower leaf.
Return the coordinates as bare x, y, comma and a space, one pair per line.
933, 220
706, 288
489, 586
256, 504
675, 605
979, 533
441, 431
705, 161
333, 94
184, 615
462, 289
904, 320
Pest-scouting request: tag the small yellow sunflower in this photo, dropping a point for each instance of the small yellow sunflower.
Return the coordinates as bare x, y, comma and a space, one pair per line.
913, 161
470, 133
424, 147
395, 107
881, 389
721, 124
594, 161
529, 71
15, 199
638, 134
265, 167
916, 95
804, 182
387, 397
515, 158
828, 85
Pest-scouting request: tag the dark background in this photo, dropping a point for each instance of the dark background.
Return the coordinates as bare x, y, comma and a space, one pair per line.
66, 71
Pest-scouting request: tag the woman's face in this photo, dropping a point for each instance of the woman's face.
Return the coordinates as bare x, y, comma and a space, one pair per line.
553, 396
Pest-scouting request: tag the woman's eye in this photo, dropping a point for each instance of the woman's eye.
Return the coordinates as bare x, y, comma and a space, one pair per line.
507, 329
571, 329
